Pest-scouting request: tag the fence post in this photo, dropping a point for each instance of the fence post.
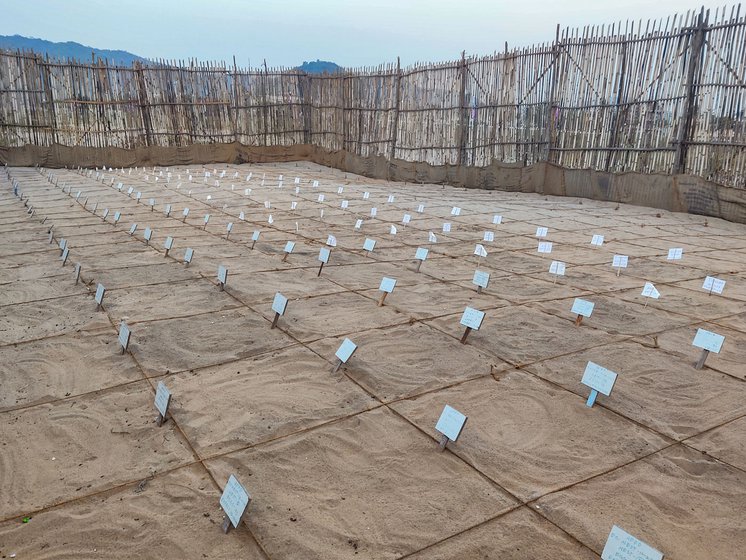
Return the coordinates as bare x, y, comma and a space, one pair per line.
47, 84
143, 99
614, 136
551, 102
684, 136
397, 103
462, 112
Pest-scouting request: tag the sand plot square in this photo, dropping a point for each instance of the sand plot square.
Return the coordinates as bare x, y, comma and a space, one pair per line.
517, 535
325, 494
39, 248
258, 287
51, 286
733, 241
688, 302
85, 439
518, 262
654, 387
28, 321
679, 501
368, 275
117, 255
524, 289
409, 359
447, 269
735, 286
243, 261
173, 516
269, 396
732, 356
62, 366
725, 442
424, 301
736, 322
617, 317
522, 335
13, 273
660, 270
635, 252
132, 276
163, 301
332, 315
531, 437
206, 339
596, 278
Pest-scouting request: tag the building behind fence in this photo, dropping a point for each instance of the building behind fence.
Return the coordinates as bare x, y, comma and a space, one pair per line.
663, 96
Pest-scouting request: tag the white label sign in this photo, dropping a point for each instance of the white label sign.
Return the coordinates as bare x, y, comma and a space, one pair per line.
597, 240
455, 211
557, 267
366, 195
497, 219
373, 212
222, 274
148, 234
392, 230
545, 247
289, 246
100, 291
431, 238
421, 254
708, 340
124, 335
450, 423
321, 198
541, 232
106, 213
358, 224
387, 285
185, 213
162, 398
279, 304
391, 198
324, 254
489, 236
714, 285
133, 229
650, 291
620, 261
169, 243
188, 254
345, 351
675, 254
406, 219
472, 318
255, 236
345, 204
599, 378
234, 500
480, 251
331, 241
420, 208
582, 307
446, 227
481, 278
369, 244
622, 546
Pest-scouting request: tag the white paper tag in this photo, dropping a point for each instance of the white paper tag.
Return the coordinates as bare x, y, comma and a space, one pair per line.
714, 285
391, 198
366, 195
650, 291
599, 378
321, 198
541, 232
481, 278
620, 261
420, 208
148, 234
421, 254
162, 398
369, 244
708, 340
124, 335
582, 307
188, 254
358, 224
331, 241
406, 219
387, 285
431, 237
597, 240
622, 546
557, 267
289, 246
545, 247
373, 212
446, 227
345, 351
455, 211
480, 251
472, 318
324, 254
345, 204
497, 219
392, 229
450, 423
234, 500
169, 243
675, 254
279, 304
222, 274
489, 236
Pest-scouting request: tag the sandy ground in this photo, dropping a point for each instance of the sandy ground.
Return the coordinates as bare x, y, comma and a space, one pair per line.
345, 464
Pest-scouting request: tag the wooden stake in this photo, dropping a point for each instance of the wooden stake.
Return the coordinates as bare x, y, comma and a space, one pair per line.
274, 321
578, 320
466, 334
336, 368
227, 525
701, 363
284, 257
382, 298
479, 289
160, 420
419, 264
320, 267
443, 442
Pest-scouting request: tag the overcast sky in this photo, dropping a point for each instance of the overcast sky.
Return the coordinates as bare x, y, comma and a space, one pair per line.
287, 32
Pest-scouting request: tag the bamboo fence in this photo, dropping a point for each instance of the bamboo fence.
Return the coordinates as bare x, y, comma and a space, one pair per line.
664, 96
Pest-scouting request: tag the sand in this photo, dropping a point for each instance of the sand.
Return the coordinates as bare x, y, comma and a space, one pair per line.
346, 464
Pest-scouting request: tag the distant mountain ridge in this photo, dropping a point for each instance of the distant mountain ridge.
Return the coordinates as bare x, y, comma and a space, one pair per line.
320, 67
68, 49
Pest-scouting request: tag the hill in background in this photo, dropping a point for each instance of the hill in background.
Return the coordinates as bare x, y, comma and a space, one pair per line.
320, 67
66, 50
